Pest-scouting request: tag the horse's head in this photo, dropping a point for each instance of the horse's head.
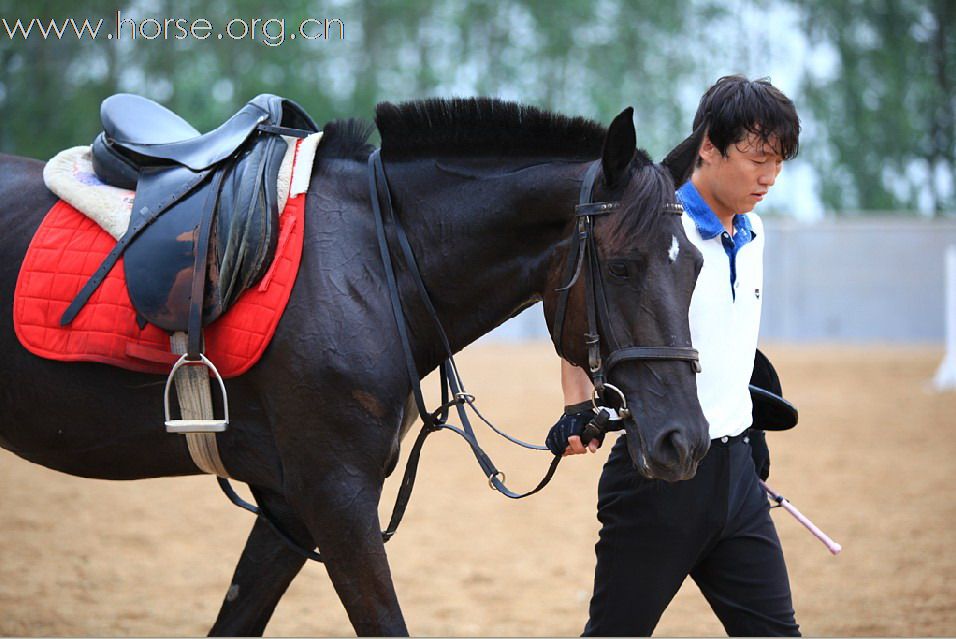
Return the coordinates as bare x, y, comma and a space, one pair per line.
618, 299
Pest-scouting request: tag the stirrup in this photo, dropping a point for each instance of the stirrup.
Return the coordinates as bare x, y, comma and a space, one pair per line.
184, 426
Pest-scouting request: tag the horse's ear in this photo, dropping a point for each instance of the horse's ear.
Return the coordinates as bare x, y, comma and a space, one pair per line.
619, 147
682, 159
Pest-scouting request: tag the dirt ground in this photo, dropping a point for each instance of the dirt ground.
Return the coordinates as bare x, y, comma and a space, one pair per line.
872, 463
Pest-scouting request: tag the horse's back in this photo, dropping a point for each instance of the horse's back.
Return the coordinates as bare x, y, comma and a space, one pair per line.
24, 200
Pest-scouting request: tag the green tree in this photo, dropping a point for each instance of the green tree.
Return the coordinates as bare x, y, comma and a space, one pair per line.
50, 87
887, 113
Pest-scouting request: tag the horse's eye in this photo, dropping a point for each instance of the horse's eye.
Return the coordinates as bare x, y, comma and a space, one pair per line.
618, 268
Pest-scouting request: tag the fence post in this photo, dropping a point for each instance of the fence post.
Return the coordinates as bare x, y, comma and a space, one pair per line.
945, 378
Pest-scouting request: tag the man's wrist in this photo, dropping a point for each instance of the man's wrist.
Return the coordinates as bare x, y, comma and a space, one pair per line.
580, 407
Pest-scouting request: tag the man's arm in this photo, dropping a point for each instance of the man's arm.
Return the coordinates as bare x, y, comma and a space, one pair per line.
577, 388
575, 384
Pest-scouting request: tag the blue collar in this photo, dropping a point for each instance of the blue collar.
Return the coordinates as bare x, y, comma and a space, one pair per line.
708, 224
709, 227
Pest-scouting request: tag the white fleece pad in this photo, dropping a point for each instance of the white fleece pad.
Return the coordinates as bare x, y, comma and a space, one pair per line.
71, 178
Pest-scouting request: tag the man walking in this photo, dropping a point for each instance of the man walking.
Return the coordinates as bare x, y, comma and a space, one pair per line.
715, 527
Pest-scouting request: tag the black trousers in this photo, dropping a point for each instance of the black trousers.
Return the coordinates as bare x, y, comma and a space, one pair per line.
715, 527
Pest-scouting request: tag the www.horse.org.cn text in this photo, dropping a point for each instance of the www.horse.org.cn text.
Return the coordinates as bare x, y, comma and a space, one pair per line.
271, 32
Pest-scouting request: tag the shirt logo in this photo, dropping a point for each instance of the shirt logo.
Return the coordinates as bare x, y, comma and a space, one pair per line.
757, 293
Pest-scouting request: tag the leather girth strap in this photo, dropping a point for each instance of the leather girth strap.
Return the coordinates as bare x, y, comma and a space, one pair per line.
197, 295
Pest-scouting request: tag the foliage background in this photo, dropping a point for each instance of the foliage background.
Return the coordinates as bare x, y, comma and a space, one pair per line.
872, 79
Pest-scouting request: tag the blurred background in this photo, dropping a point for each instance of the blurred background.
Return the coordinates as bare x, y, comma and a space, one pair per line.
855, 307
870, 197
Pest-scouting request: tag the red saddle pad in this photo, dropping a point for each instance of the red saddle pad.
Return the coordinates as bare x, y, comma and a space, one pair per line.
68, 247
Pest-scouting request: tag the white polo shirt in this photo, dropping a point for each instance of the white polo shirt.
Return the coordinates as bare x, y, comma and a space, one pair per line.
724, 311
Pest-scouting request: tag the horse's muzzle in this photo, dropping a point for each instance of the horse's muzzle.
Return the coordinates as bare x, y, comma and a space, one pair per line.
670, 454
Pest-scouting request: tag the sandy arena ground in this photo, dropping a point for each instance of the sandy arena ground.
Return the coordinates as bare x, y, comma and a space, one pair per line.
871, 463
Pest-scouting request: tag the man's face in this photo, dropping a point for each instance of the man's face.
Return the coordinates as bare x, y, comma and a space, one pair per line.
741, 179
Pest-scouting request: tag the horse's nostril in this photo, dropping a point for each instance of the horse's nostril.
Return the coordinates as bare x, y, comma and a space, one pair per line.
672, 447
681, 446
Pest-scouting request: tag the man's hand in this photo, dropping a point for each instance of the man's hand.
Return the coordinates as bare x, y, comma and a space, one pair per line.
564, 438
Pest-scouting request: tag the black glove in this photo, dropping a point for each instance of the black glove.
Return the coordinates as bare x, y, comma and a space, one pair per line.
760, 453
575, 418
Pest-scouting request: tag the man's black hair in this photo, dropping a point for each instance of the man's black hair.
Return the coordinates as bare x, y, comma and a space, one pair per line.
735, 107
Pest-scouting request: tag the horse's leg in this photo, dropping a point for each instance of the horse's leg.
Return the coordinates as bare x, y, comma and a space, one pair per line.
343, 516
266, 568
334, 481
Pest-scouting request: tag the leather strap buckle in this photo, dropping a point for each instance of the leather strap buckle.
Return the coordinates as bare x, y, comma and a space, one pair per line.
595, 208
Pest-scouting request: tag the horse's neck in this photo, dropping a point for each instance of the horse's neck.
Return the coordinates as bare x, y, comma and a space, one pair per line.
484, 237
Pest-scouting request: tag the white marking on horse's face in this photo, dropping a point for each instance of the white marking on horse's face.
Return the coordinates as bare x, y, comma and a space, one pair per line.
674, 250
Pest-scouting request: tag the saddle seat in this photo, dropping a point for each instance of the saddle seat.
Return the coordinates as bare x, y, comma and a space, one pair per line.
205, 216
132, 119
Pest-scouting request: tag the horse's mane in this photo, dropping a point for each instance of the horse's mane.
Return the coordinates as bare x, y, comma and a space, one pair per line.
465, 127
346, 139
483, 127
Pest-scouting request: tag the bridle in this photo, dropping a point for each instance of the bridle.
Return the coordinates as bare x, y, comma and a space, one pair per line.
584, 251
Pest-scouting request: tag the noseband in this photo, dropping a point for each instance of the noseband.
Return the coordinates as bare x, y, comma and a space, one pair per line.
584, 251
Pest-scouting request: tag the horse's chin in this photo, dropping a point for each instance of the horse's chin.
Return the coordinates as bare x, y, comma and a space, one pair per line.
673, 475
650, 468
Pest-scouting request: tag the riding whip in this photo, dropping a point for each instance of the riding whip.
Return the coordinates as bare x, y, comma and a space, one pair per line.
782, 501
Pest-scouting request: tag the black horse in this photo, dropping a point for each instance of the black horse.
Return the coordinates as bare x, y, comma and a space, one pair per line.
486, 192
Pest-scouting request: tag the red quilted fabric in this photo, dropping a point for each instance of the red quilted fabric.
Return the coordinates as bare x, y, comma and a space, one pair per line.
67, 249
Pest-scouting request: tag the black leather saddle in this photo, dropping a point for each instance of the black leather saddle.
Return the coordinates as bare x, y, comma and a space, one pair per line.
205, 217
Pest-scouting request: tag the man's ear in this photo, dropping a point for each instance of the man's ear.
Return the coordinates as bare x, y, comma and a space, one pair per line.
619, 146
682, 159
708, 152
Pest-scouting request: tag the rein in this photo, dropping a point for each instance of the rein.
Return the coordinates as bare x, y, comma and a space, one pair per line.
452, 388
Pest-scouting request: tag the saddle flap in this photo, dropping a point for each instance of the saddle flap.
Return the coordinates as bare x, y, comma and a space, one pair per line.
247, 219
159, 264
